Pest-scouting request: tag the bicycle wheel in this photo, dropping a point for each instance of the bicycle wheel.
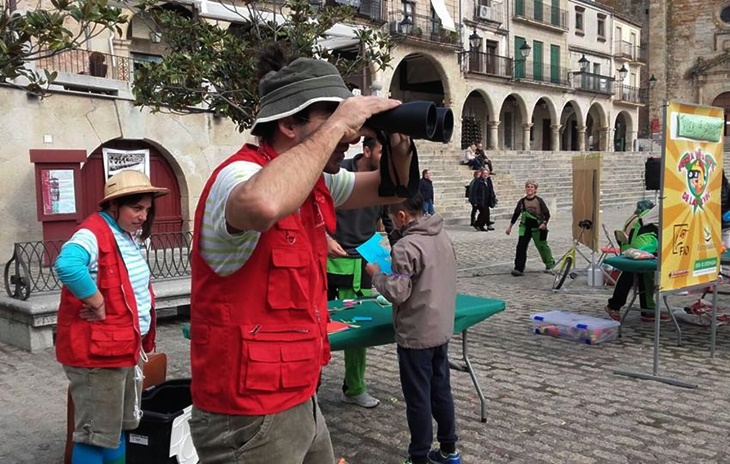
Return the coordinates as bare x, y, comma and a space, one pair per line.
563, 272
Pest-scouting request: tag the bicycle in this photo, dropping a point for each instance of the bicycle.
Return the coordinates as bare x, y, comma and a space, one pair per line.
567, 261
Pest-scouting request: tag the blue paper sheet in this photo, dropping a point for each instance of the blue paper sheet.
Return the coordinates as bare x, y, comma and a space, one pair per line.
375, 250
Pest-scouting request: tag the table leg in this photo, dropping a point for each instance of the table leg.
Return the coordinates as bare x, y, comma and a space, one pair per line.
467, 367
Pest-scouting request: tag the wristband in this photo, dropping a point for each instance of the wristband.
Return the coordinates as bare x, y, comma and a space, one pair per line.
96, 308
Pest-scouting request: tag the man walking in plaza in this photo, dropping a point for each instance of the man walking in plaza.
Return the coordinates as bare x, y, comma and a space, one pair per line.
345, 267
258, 299
425, 188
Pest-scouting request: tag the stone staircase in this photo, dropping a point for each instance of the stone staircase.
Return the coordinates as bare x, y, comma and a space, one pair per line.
622, 180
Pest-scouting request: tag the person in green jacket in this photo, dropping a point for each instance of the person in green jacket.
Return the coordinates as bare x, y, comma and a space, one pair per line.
641, 231
534, 215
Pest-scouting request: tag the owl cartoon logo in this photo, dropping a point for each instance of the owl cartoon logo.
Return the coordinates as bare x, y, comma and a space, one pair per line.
697, 166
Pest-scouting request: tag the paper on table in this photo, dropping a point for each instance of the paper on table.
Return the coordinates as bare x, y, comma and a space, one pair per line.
335, 326
375, 250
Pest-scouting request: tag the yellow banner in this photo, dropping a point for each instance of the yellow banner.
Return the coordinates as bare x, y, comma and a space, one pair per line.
692, 177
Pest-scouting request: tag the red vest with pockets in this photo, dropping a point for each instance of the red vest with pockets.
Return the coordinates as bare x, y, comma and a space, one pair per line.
258, 336
115, 341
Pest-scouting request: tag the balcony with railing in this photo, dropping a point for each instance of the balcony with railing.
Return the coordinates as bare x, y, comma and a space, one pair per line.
595, 83
629, 51
89, 71
30, 270
546, 14
541, 72
369, 9
486, 64
421, 27
493, 13
629, 94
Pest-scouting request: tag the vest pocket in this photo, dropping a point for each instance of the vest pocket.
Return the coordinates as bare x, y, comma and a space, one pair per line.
278, 358
109, 341
288, 286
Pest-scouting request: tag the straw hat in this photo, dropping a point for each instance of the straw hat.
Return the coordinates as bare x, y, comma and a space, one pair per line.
130, 182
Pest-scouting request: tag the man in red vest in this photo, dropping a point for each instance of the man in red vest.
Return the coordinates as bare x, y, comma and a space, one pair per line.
259, 300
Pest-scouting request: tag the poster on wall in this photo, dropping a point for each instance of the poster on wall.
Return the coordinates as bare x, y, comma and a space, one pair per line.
120, 160
58, 191
692, 177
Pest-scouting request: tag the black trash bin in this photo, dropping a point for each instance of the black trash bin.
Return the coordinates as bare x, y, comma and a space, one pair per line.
163, 435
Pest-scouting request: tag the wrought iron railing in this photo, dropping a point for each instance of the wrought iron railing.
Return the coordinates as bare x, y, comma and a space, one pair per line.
421, 26
593, 82
541, 72
89, 63
541, 12
629, 51
630, 94
487, 64
30, 270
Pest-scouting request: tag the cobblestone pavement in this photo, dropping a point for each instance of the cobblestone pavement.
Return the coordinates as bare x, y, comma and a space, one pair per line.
548, 400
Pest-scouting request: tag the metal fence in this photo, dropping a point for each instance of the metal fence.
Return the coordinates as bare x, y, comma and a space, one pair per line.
421, 26
487, 64
630, 94
541, 72
30, 270
545, 13
593, 82
89, 63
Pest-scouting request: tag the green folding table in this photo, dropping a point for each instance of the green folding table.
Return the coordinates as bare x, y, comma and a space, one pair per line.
470, 310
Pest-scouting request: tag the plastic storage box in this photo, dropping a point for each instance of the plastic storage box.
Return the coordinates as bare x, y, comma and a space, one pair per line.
163, 435
576, 327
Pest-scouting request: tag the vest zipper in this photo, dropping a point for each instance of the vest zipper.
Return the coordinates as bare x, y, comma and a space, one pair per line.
257, 328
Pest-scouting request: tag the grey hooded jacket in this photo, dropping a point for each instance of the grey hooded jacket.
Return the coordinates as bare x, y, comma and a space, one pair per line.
422, 287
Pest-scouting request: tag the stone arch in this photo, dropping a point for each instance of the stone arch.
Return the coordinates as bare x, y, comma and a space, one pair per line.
723, 101
544, 117
624, 132
420, 76
572, 128
513, 115
477, 117
596, 128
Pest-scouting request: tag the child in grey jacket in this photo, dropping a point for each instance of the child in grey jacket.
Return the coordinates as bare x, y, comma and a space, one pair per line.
422, 289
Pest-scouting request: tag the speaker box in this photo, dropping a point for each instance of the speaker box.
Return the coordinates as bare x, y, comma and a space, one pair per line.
653, 173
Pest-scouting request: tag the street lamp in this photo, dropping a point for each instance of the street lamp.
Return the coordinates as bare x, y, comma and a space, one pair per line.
406, 26
583, 63
525, 50
475, 41
652, 81
622, 72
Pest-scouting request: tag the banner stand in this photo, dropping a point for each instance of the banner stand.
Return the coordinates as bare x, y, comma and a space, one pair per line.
689, 216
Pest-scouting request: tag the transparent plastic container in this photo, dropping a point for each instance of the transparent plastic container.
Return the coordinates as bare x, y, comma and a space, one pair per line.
575, 327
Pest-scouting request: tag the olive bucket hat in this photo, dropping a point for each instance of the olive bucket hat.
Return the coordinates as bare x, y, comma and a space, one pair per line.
130, 182
294, 87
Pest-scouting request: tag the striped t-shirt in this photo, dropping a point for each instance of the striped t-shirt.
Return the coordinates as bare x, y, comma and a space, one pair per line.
137, 267
224, 252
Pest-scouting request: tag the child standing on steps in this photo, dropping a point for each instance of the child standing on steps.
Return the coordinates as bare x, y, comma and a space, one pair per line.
534, 215
422, 289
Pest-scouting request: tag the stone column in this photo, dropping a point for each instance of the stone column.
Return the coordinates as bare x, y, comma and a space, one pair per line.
526, 136
606, 142
581, 138
493, 138
630, 140
555, 137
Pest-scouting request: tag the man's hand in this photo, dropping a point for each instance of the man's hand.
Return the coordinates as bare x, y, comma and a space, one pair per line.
542, 226
509, 230
372, 269
334, 249
352, 113
92, 313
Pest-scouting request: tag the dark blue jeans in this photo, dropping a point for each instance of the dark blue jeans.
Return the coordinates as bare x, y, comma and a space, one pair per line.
424, 376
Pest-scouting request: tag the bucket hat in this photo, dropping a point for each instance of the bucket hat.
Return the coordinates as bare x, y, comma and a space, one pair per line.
294, 87
130, 182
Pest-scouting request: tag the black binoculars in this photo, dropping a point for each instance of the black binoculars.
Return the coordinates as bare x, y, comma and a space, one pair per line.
417, 119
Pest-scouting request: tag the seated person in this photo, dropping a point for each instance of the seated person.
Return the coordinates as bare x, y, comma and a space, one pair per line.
641, 231
470, 157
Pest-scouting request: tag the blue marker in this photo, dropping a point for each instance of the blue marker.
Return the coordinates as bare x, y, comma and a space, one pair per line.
362, 318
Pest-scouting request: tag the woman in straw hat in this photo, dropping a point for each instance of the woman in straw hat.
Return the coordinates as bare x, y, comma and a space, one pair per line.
106, 318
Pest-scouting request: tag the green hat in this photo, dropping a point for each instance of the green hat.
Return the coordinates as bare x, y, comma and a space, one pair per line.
296, 86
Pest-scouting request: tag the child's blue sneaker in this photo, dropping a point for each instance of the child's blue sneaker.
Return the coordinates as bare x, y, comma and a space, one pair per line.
436, 457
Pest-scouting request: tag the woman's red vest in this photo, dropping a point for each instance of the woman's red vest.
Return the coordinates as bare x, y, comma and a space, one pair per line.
115, 341
258, 336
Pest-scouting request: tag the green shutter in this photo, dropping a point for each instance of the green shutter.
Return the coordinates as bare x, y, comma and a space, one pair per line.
555, 64
538, 10
555, 13
519, 61
537, 60
519, 7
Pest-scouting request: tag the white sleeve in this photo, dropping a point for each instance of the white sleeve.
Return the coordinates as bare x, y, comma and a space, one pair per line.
340, 185
215, 205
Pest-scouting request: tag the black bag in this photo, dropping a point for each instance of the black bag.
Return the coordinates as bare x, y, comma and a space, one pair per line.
466, 190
